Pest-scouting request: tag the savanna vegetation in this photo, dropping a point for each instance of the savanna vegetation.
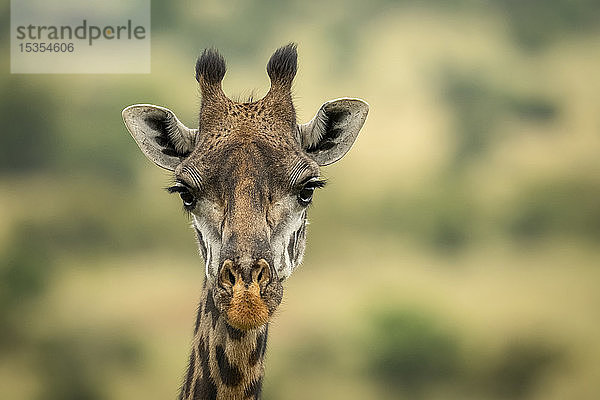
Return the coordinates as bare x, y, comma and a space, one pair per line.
454, 254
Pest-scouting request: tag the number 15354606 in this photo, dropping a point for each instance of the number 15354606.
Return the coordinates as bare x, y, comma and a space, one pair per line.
35, 47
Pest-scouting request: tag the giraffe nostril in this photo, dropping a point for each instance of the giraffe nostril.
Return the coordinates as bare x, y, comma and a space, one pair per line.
227, 276
262, 275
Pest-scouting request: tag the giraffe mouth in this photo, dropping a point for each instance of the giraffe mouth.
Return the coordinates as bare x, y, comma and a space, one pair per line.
247, 309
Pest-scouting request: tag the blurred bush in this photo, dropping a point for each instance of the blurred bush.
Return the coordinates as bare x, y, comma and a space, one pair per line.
29, 115
520, 368
537, 23
480, 81
413, 355
565, 208
480, 108
25, 271
410, 352
76, 367
69, 365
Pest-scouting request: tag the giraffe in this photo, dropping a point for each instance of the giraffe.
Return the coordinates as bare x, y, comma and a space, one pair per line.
246, 177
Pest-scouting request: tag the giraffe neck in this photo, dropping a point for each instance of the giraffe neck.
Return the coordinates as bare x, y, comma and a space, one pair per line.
225, 363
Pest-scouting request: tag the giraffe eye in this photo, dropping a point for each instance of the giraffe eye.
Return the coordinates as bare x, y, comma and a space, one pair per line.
188, 199
305, 196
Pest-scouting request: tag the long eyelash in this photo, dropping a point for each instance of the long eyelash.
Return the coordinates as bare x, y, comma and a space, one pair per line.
176, 189
316, 184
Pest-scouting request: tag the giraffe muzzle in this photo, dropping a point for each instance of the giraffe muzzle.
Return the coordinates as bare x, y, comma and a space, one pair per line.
247, 285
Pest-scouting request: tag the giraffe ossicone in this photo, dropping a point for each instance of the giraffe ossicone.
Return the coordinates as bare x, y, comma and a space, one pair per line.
246, 176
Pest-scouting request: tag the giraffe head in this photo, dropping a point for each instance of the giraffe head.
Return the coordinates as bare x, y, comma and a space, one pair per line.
247, 176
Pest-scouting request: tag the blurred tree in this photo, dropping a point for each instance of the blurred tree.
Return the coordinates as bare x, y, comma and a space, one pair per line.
479, 107
537, 23
517, 372
409, 351
559, 208
76, 366
25, 269
29, 141
69, 365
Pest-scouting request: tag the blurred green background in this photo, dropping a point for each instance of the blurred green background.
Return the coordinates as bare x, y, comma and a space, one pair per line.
455, 254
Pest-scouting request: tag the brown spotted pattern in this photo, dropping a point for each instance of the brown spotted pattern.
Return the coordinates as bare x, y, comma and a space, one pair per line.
225, 362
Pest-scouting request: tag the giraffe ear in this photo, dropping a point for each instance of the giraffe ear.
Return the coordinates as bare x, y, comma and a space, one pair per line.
331, 133
159, 134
